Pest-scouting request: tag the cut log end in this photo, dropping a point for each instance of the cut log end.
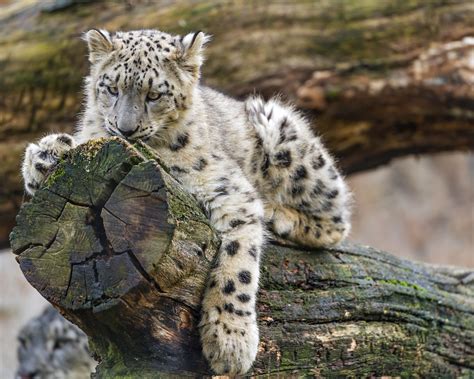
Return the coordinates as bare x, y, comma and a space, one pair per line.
117, 245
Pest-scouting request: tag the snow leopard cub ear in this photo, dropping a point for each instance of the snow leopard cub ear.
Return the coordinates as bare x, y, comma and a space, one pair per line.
100, 44
191, 55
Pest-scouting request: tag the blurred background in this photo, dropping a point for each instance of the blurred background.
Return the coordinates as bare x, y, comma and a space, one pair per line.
389, 84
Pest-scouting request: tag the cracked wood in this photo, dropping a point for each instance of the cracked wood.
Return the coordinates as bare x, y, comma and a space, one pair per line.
123, 251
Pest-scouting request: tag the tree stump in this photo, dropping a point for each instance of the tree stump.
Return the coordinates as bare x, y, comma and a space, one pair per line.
117, 245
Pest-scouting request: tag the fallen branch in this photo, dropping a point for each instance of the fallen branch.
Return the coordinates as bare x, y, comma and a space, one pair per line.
121, 250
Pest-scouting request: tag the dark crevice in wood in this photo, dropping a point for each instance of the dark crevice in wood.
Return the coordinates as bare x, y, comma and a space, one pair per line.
99, 229
142, 271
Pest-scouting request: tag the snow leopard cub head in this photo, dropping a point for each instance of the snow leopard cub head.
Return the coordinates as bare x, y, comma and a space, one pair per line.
50, 347
142, 82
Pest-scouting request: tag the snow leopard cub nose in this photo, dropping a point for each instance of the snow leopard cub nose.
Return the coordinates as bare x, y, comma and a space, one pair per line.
127, 132
129, 114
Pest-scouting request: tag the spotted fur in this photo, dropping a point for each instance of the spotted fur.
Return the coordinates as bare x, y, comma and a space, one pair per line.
251, 165
50, 347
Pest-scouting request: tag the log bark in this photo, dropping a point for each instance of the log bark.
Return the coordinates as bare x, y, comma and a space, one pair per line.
380, 79
116, 244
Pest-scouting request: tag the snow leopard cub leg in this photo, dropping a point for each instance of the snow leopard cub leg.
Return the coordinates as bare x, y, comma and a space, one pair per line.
307, 200
41, 156
228, 327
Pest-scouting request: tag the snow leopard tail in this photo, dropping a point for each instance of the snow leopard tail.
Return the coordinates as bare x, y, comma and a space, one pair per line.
307, 200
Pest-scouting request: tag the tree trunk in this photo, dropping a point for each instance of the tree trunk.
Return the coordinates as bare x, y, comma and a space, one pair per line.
116, 244
381, 79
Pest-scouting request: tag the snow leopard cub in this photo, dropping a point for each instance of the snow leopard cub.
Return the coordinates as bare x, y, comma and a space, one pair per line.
50, 347
252, 165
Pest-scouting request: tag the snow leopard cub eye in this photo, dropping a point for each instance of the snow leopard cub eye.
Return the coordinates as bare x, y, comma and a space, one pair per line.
153, 96
113, 90
143, 80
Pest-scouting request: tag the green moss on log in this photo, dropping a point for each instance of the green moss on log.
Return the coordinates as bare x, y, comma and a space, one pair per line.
123, 250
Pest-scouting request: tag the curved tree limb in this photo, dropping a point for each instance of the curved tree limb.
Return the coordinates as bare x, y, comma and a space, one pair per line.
115, 243
370, 113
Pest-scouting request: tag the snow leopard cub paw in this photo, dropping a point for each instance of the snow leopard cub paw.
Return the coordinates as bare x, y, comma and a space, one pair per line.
42, 156
230, 345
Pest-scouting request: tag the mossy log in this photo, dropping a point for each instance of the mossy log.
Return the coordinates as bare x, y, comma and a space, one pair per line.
381, 79
116, 244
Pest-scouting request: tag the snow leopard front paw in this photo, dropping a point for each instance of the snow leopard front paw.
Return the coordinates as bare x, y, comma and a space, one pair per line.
41, 157
229, 341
